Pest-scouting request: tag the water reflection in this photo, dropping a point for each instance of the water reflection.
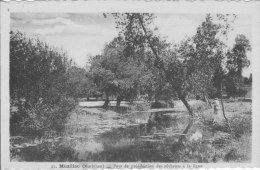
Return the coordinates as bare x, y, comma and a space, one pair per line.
95, 134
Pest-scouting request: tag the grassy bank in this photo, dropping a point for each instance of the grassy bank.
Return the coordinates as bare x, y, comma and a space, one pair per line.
234, 144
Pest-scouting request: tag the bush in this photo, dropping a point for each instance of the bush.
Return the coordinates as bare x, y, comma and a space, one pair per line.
157, 104
42, 118
40, 81
162, 104
241, 124
241, 92
239, 150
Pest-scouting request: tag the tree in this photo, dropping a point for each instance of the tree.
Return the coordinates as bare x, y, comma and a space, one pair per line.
236, 61
37, 71
102, 78
38, 86
78, 83
187, 68
115, 74
237, 57
250, 79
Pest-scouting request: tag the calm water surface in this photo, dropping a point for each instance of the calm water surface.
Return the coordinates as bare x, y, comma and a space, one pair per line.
94, 134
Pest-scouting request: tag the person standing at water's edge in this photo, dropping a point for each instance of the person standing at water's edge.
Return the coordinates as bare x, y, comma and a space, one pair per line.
215, 107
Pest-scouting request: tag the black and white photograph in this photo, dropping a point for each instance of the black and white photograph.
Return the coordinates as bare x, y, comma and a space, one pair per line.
146, 87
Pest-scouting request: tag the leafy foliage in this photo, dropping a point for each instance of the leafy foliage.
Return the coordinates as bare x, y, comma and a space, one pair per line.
116, 74
39, 88
79, 84
36, 70
236, 61
42, 118
237, 58
188, 67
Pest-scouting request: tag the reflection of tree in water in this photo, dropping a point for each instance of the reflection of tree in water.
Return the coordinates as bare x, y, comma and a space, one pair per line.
159, 122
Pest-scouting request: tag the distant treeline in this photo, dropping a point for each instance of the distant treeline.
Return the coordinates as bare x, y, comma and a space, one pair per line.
141, 63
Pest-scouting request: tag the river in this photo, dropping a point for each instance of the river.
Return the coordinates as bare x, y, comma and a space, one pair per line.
98, 135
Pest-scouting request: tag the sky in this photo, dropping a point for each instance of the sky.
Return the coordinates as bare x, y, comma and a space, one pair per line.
84, 34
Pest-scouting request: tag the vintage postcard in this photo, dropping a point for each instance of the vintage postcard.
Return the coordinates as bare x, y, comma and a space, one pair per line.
130, 85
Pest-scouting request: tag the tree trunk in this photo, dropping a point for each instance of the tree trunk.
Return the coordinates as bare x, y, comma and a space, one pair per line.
118, 101
223, 108
187, 105
161, 65
106, 102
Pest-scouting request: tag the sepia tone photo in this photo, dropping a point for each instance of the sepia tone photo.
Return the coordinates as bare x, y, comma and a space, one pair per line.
124, 87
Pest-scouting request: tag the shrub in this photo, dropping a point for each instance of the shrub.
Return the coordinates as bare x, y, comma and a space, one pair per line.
162, 104
40, 81
43, 117
239, 150
157, 104
241, 124
193, 151
241, 92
